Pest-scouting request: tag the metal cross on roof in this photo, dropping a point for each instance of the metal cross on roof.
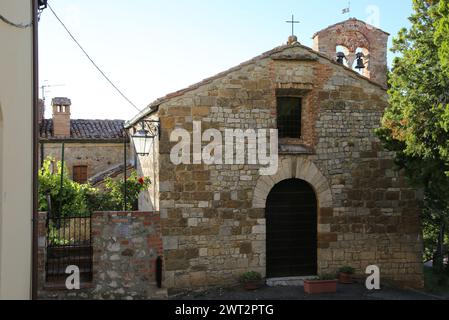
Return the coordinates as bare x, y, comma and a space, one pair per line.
293, 24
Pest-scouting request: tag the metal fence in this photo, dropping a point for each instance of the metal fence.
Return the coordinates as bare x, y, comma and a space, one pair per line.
68, 244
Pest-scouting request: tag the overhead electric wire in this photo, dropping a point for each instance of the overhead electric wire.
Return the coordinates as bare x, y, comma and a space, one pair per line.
92, 61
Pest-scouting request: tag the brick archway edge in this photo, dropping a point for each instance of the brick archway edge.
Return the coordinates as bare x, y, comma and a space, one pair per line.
291, 168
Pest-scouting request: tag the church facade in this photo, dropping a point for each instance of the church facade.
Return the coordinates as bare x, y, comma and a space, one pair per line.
335, 200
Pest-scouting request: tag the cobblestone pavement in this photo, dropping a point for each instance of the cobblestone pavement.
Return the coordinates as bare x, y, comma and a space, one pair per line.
345, 292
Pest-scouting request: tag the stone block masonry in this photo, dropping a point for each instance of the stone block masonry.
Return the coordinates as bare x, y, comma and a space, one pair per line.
213, 216
125, 249
98, 157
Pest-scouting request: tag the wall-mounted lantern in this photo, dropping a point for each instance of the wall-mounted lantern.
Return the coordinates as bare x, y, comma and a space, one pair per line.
142, 140
42, 4
144, 137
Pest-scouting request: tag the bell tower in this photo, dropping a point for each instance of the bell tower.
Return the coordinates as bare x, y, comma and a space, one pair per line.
357, 45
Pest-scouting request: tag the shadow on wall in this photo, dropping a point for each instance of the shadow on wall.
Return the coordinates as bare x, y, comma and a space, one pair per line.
1, 154
1, 173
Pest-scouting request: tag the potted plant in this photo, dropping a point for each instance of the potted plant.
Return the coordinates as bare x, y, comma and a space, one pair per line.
345, 275
324, 284
251, 280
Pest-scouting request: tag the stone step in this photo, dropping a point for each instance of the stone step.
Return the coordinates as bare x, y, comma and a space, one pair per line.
289, 281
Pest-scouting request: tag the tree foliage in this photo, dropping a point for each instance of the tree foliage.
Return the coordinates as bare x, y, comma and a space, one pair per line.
441, 35
76, 199
71, 200
416, 125
112, 198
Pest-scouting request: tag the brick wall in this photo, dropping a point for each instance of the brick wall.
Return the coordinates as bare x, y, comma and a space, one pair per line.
125, 246
354, 34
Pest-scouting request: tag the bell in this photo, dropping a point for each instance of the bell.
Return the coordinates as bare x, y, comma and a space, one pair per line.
360, 64
340, 57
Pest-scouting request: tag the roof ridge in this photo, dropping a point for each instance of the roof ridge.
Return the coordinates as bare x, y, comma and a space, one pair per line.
153, 106
104, 120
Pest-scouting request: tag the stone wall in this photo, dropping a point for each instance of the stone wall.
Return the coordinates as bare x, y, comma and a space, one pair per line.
125, 246
213, 231
98, 157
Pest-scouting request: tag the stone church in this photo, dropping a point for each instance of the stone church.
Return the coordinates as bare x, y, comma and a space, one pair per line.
336, 199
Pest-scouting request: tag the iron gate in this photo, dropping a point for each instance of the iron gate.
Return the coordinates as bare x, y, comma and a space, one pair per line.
69, 243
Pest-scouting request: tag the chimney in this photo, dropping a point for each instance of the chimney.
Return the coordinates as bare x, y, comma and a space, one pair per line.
61, 117
41, 110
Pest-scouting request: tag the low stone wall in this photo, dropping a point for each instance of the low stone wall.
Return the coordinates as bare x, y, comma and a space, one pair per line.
126, 246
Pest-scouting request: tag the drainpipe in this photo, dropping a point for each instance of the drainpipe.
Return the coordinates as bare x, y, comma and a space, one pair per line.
125, 160
62, 181
42, 154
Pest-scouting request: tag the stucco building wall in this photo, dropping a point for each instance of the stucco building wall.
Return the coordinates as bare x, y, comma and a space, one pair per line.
16, 110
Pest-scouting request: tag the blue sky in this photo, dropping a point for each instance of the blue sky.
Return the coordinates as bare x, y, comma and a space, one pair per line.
150, 48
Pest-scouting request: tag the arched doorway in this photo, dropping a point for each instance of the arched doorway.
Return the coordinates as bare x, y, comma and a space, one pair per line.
291, 217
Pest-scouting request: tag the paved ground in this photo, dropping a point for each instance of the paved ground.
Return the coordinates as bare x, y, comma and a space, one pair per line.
345, 292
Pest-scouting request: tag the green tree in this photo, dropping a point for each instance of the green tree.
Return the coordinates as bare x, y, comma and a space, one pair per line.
71, 200
441, 35
82, 199
416, 125
134, 186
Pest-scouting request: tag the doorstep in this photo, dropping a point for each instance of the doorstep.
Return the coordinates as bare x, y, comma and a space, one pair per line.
289, 281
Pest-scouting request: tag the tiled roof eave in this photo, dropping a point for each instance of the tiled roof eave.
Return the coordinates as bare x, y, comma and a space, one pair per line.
85, 130
83, 140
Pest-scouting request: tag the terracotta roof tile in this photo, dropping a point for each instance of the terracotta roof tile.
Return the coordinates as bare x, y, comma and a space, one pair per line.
86, 129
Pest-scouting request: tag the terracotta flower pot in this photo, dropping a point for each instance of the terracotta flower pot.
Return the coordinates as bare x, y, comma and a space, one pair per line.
345, 278
252, 285
320, 286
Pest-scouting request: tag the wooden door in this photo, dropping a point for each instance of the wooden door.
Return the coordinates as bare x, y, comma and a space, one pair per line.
292, 221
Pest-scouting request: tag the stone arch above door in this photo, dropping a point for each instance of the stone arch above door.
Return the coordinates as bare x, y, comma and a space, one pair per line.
290, 168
